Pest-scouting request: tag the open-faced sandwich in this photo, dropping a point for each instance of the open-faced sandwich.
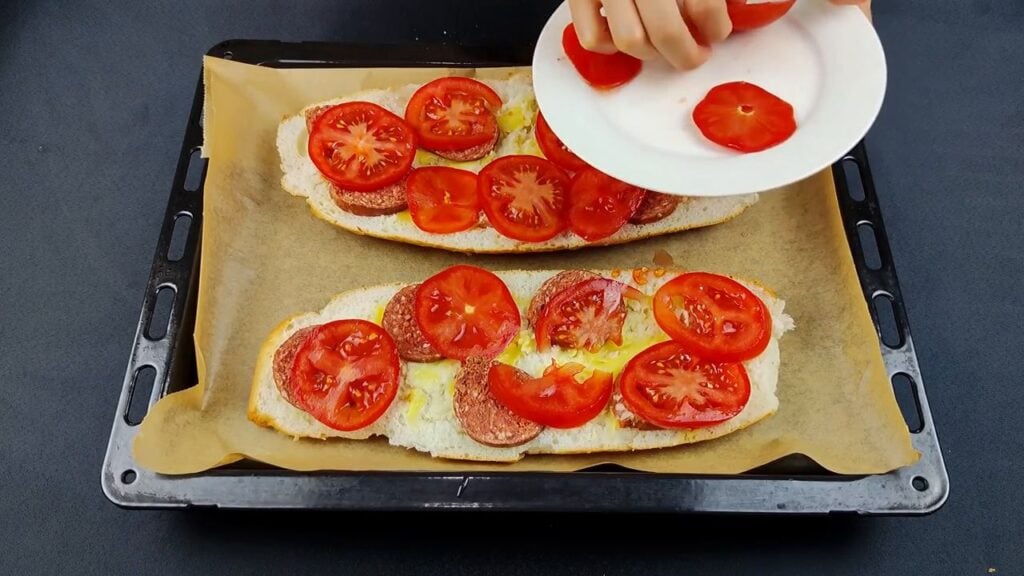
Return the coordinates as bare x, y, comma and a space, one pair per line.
475, 365
468, 165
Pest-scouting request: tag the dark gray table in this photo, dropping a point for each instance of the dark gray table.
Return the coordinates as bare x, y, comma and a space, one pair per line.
93, 101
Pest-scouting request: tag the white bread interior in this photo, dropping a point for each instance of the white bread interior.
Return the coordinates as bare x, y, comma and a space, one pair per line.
516, 119
422, 416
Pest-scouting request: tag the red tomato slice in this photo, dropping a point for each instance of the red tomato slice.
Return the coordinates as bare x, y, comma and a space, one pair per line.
668, 386
554, 149
599, 70
466, 311
524, 197
750, 16
361, 146
599, 205
453, 113
716, 317
744, 117
442, 199
345, 374
555, 399
585, 315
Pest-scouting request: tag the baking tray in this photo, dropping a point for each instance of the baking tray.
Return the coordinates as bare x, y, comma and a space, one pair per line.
792, 485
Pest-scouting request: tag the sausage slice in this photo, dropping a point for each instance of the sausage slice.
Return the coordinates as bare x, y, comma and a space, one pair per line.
388, 200
400, 322
475, 153
551, 287
626, 418
285, 356
655, 206
482, 417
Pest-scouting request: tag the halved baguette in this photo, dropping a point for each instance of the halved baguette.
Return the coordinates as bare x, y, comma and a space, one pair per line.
516, 118
422, 416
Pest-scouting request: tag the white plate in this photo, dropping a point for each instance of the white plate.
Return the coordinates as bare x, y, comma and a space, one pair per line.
825, 60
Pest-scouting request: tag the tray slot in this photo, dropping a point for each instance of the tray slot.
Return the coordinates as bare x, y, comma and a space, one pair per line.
179, 236
196, 171
906, 396
885, 319
854, 182
869, 246
140, 394
161, 318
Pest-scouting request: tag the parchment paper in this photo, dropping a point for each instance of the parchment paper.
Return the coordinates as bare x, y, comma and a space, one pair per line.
265, 257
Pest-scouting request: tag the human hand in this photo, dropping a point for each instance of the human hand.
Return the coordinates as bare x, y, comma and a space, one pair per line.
648, 29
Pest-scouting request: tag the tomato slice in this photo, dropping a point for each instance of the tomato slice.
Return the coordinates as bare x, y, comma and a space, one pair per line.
750, 16
453, 113
669, 386
554, 149
345, 374
585, 315
466, 311
361, 146
601, 71
555, 399
599, 205
443, 199
744, 117
716, 317
524, 197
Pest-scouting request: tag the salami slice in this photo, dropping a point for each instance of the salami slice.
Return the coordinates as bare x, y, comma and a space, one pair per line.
284, 356
400, 322
551, 287
481, 416
388, 200
475, 153
656, 206
626, 418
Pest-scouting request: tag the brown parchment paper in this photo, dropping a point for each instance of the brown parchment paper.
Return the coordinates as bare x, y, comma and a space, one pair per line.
265, 257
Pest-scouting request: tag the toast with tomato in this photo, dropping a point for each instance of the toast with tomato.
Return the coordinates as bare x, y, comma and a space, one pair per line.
468, 166
475, 365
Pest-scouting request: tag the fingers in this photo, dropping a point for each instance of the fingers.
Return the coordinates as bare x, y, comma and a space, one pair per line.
864, 5
667, 32
627, 29
591, 27
710, 17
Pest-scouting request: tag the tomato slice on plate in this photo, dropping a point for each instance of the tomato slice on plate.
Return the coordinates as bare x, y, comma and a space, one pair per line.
669, 386
443, 199
466, 311
453, 113
361, 146
585, 315
554, 149
556, 399
524, 197
750, 16
345, 374
601, 71
599, 205
716, 317
744, 117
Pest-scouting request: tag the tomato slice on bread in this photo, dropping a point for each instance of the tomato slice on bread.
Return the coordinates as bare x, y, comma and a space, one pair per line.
744, 117
524, 197
585, 315
669, 386
556, 398
553, 148
361, 146
601, 71
345, 374
466, 311
453, 113
600, 205
442, 199
714, 316
748, 16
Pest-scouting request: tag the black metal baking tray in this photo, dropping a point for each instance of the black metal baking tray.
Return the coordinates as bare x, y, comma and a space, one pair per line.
793, 485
